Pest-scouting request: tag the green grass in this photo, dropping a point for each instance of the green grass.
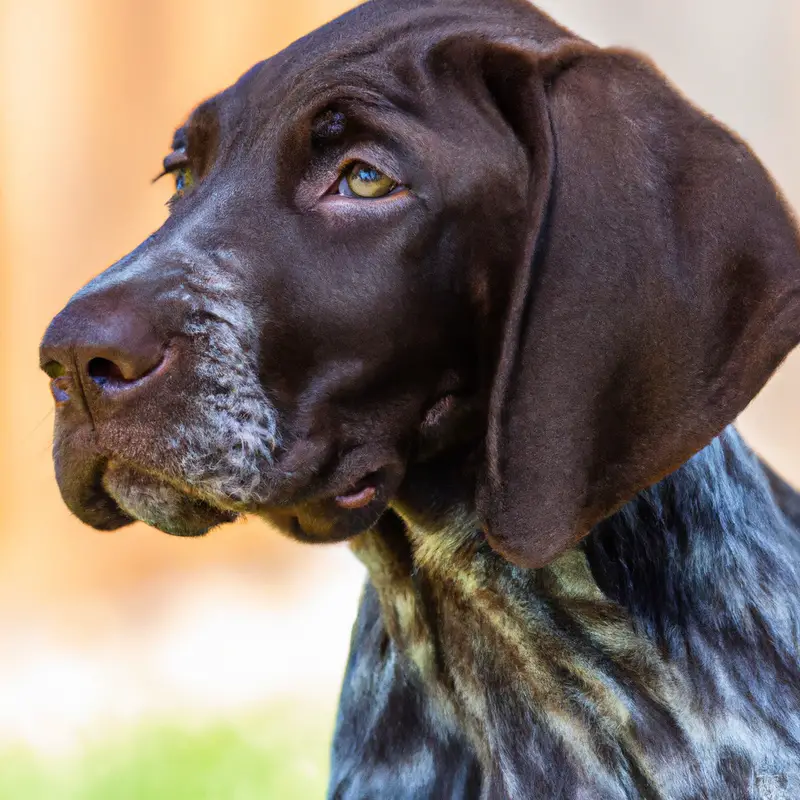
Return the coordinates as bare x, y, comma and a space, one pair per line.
277, 755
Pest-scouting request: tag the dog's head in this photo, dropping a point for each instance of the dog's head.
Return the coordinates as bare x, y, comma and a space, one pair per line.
427, 226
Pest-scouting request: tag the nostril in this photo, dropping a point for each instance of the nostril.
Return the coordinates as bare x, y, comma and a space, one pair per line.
60, 388
103, 371
54, 369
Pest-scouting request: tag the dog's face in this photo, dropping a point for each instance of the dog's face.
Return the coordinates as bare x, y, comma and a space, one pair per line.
429, 225
307, 320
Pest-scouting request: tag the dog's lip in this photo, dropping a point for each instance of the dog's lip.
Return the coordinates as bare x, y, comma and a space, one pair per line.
356, 499
340, 513
83, 494
360, 493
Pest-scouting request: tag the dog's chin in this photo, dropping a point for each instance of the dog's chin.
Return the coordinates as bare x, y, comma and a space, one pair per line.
142, 497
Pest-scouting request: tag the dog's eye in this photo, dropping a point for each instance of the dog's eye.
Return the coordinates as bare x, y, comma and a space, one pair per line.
184, 180
177, 164
365, 181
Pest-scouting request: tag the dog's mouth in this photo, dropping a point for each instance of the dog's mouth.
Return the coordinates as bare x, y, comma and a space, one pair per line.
139, 496
108, 492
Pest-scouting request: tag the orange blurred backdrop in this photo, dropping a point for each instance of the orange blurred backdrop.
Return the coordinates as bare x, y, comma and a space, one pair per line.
90, 91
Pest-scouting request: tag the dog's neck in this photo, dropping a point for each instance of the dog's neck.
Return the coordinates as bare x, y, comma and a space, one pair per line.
706, 548
706, 544
685, 603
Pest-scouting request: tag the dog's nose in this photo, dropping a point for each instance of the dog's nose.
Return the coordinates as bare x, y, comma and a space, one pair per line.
113, 349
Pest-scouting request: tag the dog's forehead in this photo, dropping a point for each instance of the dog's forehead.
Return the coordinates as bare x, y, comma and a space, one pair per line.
376, 29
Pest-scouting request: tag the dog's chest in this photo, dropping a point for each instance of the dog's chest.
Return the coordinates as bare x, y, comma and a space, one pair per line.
548, 678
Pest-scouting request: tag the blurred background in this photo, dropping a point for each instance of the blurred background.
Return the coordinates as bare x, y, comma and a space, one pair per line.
136, 665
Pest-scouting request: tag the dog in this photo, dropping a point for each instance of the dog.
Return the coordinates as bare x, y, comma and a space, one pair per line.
452, 283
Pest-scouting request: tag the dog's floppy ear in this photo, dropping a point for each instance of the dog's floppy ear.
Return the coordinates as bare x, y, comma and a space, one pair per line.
659, 290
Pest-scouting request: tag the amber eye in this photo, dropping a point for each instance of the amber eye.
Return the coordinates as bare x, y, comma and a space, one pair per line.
365, 181
184, 180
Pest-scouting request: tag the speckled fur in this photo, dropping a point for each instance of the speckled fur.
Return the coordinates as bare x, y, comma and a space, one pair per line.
228, 447
220, 446
659, 659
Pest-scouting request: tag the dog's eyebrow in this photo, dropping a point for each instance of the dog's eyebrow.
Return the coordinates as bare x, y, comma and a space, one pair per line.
329, 124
